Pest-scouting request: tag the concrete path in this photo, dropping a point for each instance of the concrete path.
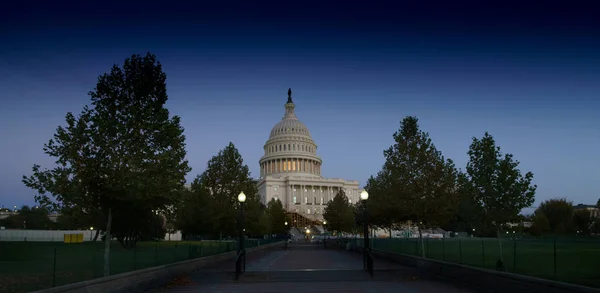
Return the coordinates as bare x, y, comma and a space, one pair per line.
307, 268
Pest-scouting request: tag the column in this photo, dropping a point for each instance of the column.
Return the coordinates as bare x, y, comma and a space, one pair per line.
288, 195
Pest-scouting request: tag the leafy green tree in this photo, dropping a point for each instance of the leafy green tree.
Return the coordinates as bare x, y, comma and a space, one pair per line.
499, 187
29, 218
540, 224
383, 205
265, 224
124, 151
339, 214
469, 212
194, 211
277, 217
583, 222
559, 213
225, 177
424, 182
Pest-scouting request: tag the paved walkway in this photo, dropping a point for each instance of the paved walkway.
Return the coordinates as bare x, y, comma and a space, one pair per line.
307, 268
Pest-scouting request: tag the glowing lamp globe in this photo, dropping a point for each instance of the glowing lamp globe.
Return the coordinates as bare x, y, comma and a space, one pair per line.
242, 197
364, 195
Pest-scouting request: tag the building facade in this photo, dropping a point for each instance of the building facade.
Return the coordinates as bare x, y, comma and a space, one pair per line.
290, 170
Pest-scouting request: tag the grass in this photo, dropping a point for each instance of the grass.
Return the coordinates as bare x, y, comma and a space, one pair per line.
29, 266
577, 261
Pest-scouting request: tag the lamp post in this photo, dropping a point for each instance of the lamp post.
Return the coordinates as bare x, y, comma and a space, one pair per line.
242, 250
368, 260
324, 232
91, 232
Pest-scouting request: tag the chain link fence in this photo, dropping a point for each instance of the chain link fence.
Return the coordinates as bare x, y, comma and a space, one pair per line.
29, 266
569, 260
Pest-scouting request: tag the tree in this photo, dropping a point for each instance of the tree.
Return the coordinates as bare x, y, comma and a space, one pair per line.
194, 211
29, 218
468, 214
595, 226
383, 206
339, 213
277, 217
540, 225
424, 182
559, 214
222, 181
123, 152
499, 187
583, 222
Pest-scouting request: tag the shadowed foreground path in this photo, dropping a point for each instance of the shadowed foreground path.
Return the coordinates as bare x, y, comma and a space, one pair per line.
308, 268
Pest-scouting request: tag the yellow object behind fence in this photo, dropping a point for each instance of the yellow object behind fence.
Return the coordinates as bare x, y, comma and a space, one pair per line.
73, 238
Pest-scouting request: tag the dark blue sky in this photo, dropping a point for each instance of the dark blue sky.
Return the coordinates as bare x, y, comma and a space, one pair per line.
528, 74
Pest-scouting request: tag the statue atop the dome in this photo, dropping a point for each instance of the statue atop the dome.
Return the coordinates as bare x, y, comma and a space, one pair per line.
290, 96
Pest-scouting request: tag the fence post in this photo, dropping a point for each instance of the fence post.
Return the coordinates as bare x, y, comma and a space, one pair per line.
156, 253
134, 257
54, 270
443, 249
554, 256
459, 251
482, 253
514, 254
417, 247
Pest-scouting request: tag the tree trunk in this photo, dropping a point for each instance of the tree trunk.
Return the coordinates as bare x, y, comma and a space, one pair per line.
96, 236
421, 239
107, 245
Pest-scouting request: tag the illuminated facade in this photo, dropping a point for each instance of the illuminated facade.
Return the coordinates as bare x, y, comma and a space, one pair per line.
290, 170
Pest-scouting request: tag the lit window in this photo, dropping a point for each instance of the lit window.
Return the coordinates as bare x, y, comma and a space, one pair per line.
295, 200
308, 211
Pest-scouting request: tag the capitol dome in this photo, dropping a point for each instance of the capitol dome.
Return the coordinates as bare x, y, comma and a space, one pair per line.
290, 149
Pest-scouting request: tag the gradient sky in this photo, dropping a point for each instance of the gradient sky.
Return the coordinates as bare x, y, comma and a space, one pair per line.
528, 75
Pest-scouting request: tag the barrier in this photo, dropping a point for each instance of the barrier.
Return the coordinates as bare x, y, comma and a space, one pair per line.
150, 278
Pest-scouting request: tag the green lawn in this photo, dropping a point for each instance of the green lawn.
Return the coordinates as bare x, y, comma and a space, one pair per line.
28, 266
577, 260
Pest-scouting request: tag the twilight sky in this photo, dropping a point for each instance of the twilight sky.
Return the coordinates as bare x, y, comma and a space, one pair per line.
528, 75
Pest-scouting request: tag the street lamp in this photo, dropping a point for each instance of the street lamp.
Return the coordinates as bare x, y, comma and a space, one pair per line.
241, 249
91, 232
325, 234
368, 260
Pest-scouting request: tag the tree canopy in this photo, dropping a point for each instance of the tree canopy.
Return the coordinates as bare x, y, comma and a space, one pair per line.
339, 213
212, 207
277, 217
123, 157
498, 186
423, 181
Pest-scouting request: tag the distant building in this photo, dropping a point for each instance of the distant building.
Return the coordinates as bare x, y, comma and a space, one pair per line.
594, 211
52, 216
290, 171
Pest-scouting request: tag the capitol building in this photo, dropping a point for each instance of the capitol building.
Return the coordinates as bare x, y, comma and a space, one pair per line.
290, 171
